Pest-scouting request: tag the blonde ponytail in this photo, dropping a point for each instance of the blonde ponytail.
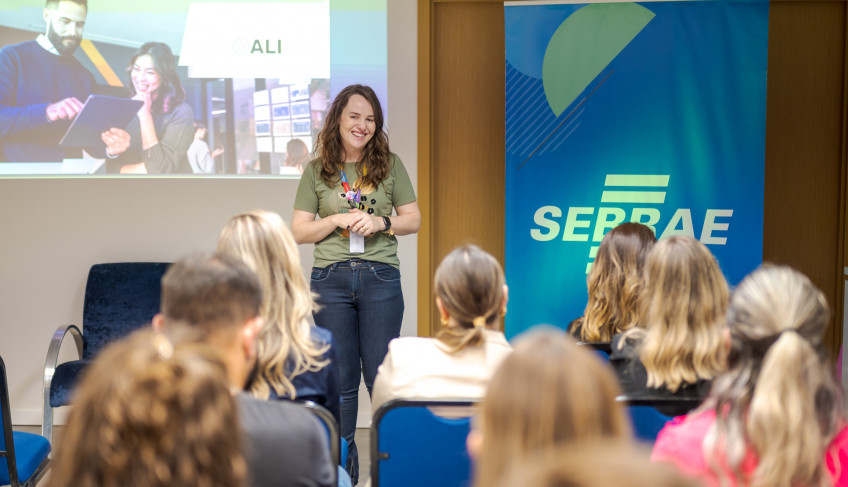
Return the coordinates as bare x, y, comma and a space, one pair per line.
783, 432
779, 397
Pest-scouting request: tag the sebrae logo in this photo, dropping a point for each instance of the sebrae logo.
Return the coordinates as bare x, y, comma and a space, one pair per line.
582, 223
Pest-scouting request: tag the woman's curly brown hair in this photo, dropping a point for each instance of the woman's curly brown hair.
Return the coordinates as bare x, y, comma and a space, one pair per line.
375, 164
149, 414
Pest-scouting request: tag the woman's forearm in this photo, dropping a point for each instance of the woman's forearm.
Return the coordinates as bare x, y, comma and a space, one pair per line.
306, 229
148, 132
407, 220
406, 224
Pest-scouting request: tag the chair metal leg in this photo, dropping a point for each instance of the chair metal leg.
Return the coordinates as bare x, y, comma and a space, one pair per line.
50, 369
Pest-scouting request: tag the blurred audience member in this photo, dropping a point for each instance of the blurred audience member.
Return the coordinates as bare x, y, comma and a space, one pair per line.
775, 418
614, 284
589, 465
147, 414
547, 392
218, 298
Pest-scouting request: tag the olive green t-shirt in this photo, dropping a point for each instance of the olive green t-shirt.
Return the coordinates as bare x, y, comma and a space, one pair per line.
314, 196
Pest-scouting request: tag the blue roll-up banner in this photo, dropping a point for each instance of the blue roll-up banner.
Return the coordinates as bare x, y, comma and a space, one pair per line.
651, 112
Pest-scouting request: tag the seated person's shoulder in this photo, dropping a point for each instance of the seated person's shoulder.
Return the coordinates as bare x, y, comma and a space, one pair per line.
403, 343
261, 415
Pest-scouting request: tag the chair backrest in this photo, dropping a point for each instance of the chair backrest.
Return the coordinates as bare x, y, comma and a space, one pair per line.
119, 298
7, 444
646, 420
412, 446
330, 426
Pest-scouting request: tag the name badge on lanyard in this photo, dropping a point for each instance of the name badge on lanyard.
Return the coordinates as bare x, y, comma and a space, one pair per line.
357, 241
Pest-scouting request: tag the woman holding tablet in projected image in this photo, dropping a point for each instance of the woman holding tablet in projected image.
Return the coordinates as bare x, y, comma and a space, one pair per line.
163, 130
354, 185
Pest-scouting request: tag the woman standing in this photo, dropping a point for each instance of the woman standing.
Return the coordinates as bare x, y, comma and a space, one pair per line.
163, 130
353, 186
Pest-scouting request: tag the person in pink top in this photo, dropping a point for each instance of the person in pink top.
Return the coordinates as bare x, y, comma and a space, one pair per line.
781, 421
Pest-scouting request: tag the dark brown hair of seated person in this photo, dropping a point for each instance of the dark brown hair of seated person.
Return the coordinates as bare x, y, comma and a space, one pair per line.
210, 292
615, 282
149, 414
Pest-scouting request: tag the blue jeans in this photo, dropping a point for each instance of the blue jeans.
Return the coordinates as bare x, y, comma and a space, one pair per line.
362, 305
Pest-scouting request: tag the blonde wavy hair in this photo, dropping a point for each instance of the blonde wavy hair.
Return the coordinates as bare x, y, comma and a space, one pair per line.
547, 392
615, 282
683, 312
470, 284
780, 396
285, 349
149, 414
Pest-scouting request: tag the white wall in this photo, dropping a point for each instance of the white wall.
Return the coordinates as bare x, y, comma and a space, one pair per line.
53, 230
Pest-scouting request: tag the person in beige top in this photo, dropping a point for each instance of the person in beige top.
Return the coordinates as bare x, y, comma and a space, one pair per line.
471, 295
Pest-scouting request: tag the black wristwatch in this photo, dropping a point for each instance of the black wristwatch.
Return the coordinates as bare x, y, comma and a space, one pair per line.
388, 222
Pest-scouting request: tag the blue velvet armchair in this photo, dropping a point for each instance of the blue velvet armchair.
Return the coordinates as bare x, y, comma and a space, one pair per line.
119, 298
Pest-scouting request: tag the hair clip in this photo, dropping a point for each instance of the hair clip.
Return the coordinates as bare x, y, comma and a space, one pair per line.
163, 346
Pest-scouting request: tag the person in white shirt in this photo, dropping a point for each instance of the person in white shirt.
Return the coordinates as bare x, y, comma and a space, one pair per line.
471, 295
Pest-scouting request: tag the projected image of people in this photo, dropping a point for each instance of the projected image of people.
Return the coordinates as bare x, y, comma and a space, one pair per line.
101, 89
41, 88
162, 132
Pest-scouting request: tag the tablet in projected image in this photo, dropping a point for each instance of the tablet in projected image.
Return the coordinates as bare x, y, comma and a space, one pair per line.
251, 81
99, 114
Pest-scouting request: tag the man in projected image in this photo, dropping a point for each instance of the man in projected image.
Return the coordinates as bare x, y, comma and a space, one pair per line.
41, 88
